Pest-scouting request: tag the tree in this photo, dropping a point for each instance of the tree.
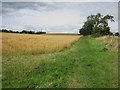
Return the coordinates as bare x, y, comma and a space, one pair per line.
81, 31
5, 30
96, 24
117, 34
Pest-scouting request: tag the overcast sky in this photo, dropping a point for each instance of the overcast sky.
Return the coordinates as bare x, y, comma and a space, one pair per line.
56, 17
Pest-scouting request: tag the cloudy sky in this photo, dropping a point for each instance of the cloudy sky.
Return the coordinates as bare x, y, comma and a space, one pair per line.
57, 17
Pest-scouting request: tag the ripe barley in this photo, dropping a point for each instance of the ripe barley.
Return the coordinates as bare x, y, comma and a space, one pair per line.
35, 44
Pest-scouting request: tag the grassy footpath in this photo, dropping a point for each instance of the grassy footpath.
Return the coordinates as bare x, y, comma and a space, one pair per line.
84, 65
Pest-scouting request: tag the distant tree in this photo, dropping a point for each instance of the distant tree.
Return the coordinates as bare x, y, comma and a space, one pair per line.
96, 24
117, 34
5, 30
81, 31
10, 31
22, 32
31, 32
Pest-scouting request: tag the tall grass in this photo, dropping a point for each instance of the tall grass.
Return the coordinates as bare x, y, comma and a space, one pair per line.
35, 44
110, 42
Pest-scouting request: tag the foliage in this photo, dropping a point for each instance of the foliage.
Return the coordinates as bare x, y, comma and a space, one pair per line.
22, 32
117, 34
96, 25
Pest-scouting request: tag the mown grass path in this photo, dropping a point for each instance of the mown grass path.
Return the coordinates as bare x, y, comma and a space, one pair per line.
83, 65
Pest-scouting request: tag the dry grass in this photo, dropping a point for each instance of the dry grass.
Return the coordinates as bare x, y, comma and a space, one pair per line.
111, 41
34, 44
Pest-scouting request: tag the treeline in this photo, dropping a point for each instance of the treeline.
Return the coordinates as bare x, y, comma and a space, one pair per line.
97, 25
22, 32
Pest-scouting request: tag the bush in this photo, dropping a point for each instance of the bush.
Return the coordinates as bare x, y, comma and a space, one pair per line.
96, 35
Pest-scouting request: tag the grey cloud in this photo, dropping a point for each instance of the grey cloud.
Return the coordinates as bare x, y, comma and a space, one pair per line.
86, 7
97, 7
9, 7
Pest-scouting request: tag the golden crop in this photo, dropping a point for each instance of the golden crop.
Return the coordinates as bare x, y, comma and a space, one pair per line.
27, 43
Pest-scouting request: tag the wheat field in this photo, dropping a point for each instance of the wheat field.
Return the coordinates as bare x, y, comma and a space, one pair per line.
35, 44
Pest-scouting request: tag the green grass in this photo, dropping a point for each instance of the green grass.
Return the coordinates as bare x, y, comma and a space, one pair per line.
83, 65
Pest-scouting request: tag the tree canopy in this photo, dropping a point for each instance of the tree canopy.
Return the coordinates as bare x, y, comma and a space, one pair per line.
96, 25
